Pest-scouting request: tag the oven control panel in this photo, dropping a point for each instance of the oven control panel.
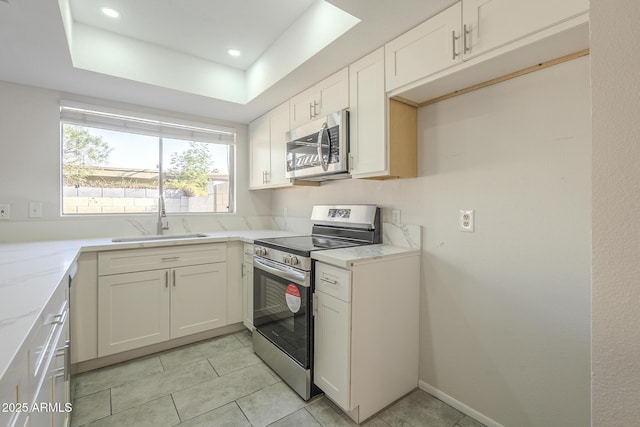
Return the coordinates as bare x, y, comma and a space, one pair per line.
290, 260
260, 251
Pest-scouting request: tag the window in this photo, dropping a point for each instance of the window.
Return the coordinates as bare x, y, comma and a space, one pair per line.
115, 163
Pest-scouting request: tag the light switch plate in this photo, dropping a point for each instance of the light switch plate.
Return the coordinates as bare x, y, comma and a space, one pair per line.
35, 209
466, 220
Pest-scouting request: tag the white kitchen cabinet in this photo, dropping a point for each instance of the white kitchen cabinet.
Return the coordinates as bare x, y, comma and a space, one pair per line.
383, 133
133, 310
235, 288
198, 298
490, 24
430, 47
324, 98
332, 341
470, 29
139, 308
48, 358
84, 306
247, 284
268, 149
366, 333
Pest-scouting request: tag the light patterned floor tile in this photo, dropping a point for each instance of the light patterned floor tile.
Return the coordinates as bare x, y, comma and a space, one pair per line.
172, 359
228, 415
467, 421
419, 408
111, 376
329, 414
212, 394
158, 413
161, 384
270, 404
90, 408
245, 337
299, 418
234, 360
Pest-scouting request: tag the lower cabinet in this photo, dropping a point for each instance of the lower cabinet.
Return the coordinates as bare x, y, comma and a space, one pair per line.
366, 333
247, 285
140, 308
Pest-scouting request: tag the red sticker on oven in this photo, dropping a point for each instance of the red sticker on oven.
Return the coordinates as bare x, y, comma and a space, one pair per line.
292, 295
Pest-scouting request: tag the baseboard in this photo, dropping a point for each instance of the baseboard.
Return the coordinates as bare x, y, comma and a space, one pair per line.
457, 404
101, 362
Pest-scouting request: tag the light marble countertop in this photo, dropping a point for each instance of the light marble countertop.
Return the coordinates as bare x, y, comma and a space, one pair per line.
348, 257
31, 272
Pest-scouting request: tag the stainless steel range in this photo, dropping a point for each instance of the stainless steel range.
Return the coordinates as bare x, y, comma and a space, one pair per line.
283, 288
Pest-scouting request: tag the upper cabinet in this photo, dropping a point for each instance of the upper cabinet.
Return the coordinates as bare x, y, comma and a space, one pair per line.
383, 135
268, 139
489, 24
477, 40
430, 47
331, 94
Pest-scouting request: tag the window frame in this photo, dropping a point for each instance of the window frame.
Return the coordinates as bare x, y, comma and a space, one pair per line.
161, 127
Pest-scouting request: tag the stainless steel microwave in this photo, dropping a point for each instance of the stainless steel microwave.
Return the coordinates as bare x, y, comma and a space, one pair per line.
319, 150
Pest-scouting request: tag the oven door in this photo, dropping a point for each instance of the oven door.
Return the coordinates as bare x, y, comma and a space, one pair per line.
282, 308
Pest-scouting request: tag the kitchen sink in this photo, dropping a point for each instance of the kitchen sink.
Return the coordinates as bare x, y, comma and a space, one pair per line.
158, 237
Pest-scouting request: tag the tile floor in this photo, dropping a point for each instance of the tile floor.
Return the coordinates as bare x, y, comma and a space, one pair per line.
221, 382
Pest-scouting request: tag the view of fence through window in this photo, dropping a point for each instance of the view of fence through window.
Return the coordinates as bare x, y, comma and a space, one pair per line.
114, 172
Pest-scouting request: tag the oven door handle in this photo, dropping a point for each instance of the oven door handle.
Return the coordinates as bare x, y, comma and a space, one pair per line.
301, 278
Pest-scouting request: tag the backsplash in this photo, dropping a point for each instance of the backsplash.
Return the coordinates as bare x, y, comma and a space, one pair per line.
79, 228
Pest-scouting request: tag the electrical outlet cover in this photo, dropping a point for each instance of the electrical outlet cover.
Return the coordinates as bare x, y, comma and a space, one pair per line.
5, 211
466, 220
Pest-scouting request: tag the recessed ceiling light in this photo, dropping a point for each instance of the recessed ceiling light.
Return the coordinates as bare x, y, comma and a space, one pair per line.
233, 52
111, 13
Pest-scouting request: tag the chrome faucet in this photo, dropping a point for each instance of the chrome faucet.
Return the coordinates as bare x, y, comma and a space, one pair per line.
163, 222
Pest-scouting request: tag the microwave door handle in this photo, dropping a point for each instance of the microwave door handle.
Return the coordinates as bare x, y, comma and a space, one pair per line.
323, 161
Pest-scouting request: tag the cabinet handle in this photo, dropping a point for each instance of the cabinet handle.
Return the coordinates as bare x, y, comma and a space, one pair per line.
333, 282
170, 258
166, 279
174, 278
310, 111
466, 31
315, 110
242, 270
453, 42
59, 319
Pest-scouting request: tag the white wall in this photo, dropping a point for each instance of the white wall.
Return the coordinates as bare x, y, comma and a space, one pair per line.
505, 311
615, 40
30, 171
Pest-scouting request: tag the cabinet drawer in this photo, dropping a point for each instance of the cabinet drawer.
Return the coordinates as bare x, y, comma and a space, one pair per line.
43, 341
131, 260
333, 281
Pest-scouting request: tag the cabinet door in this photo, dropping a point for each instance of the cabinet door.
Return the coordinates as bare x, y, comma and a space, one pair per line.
332, 348
368, 139
301, 108
133, 311
279, 128
428, 48
198, 298
493, 23
332, 94
260, 151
